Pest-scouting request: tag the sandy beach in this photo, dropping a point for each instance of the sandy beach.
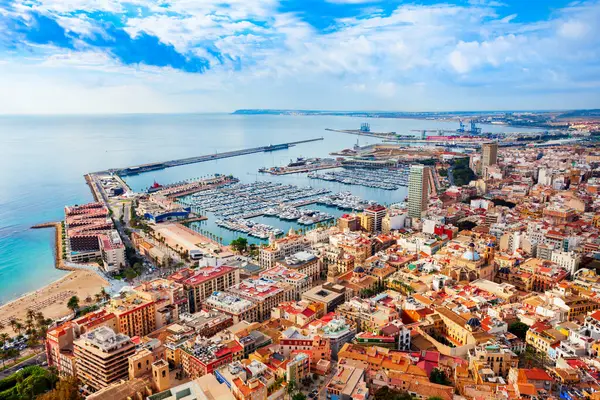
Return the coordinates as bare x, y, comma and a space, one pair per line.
52, 299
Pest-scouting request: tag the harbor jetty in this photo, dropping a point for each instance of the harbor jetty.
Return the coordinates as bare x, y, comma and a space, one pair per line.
138, 169
59, 263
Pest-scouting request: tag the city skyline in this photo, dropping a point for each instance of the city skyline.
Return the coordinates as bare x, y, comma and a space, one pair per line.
85, 56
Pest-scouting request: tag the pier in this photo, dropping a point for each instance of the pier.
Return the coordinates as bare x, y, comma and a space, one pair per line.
59, 262
138, 169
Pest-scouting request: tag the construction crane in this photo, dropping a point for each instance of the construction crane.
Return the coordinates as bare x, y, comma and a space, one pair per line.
462, 126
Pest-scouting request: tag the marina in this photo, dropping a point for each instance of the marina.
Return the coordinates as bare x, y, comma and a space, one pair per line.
389, 179
234, 207
236, 201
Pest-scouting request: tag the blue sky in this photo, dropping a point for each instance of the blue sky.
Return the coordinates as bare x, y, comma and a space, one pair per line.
105, 56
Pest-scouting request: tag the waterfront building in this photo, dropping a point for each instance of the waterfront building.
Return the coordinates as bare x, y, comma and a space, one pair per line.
418, 190
102, 357
372, 217
112, 251
84, 227
202, 282
350, 222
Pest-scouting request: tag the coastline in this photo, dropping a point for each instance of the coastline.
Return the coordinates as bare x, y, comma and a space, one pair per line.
59, 262
52, 298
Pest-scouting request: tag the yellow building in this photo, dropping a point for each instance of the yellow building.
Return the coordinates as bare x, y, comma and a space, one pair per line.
136, 316
542, 337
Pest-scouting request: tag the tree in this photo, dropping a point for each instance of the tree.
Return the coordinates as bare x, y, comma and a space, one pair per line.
129, 274
292, 387
66, 389
435, 398
439, 376
104, 294
240, 244
385, 393
73, 303
299, 396
519, 329
14, 324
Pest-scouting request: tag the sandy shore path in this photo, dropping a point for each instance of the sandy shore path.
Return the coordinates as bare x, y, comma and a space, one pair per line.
52, 299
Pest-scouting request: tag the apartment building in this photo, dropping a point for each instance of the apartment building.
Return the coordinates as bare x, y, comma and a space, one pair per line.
300, 282
201, 283
281, 248
102, 357
238, 308
265, 293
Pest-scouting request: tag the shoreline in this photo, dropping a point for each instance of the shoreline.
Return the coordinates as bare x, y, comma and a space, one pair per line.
51, 299
59, 262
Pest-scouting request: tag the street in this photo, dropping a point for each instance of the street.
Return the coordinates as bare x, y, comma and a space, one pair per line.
36, 360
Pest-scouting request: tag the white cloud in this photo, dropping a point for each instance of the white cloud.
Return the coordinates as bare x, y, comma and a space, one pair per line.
393, 61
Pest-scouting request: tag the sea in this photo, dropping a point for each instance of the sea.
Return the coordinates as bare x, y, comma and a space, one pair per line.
44, 159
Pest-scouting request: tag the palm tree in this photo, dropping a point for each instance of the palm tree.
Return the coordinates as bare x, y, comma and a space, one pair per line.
18, 327
104, 294
15, 325
73, 303
98, 297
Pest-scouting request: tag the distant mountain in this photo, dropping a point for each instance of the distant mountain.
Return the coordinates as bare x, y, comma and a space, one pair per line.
389, 114
580, 114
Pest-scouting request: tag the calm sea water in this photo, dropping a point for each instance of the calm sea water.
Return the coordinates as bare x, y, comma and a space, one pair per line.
44, 159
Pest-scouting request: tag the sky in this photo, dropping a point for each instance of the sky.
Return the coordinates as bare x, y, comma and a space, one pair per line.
169, 56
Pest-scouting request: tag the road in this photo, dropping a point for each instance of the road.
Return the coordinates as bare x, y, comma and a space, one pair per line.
450, 175
36, 360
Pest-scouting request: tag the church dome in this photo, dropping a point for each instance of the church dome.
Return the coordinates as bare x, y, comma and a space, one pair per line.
473, 322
